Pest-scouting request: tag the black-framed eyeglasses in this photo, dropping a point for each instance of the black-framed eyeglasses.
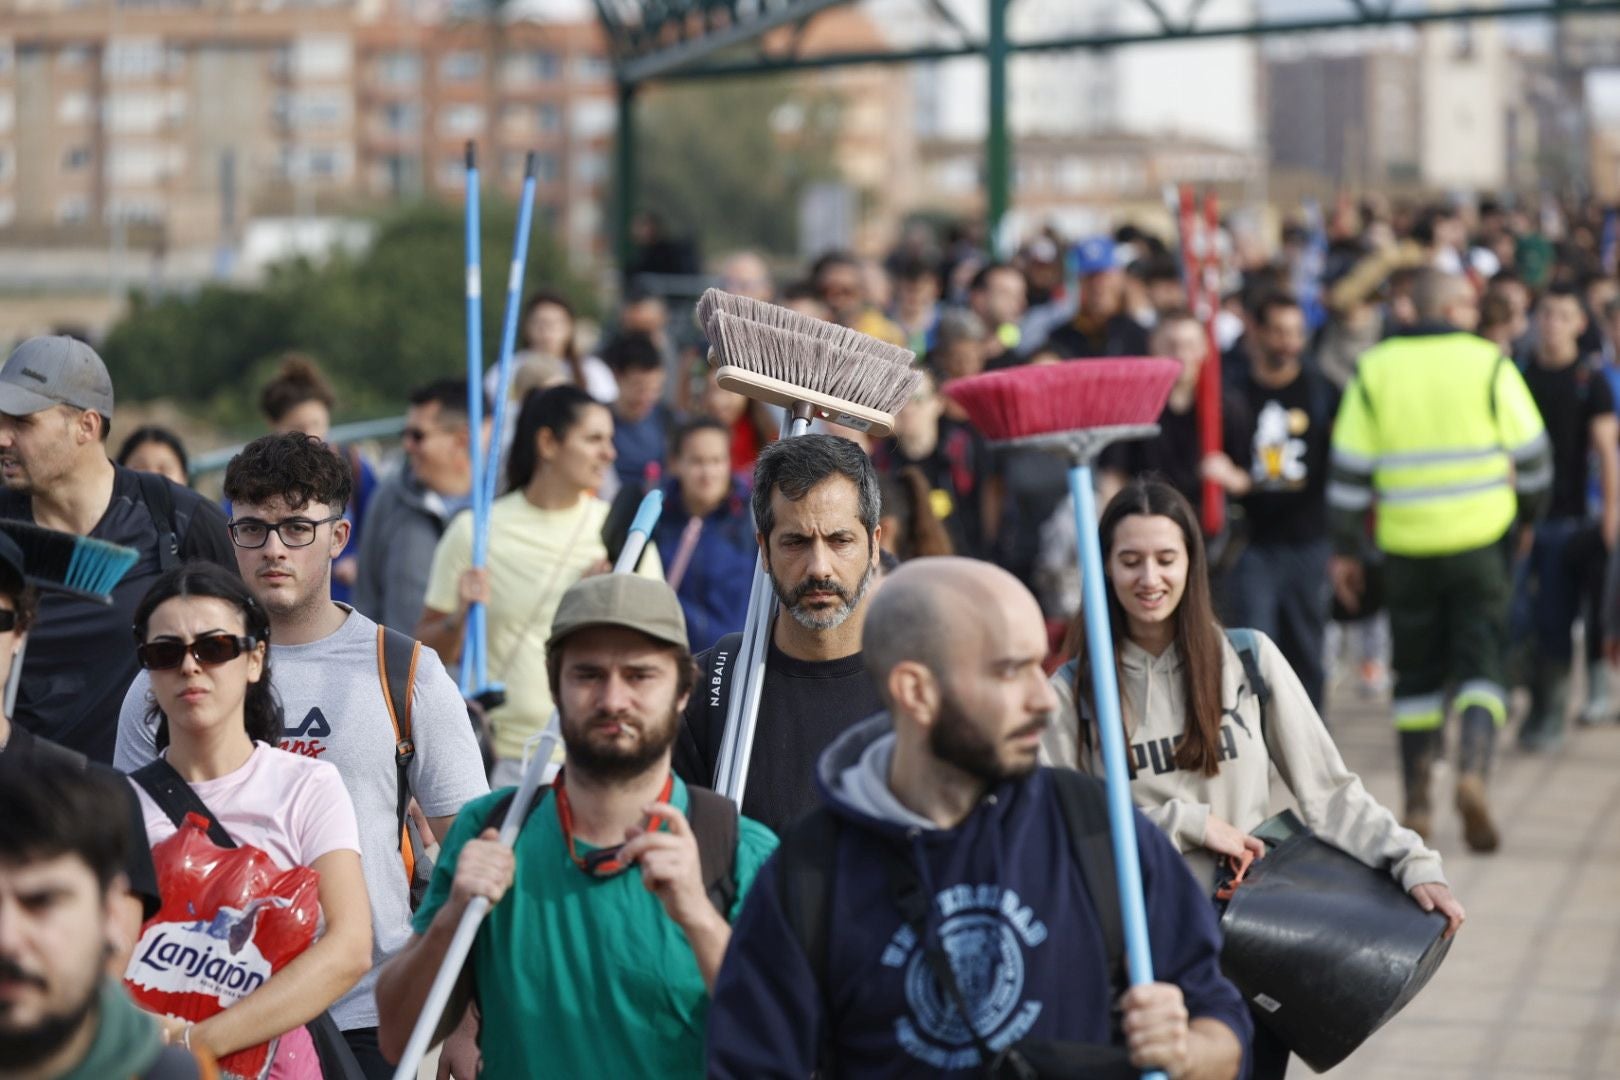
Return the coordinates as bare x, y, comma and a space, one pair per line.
294, 532
210, 649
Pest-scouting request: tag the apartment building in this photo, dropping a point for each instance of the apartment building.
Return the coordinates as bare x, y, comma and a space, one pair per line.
180, 120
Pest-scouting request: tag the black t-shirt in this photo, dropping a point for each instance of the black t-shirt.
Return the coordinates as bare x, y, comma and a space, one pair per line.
1173, 455
1121, 335
956, 473
1569, 399
804, 706
1282, 438
81, 656
138, 867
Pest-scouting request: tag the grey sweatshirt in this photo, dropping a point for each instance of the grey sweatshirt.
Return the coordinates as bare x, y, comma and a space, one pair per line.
1292, 737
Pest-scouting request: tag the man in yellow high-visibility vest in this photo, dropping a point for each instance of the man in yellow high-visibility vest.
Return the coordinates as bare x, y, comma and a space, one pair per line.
1438, 434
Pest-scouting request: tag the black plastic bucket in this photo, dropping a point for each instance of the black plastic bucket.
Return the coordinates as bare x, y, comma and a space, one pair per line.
1324, 948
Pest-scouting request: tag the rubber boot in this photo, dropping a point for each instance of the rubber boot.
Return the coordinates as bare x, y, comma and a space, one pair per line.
1543, 727
1418, 752
1478, 743
1598, 709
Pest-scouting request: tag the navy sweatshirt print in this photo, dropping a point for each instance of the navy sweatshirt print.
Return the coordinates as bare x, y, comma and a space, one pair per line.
1010, 907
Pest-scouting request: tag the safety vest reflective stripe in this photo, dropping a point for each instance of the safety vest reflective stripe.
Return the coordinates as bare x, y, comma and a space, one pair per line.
1442, 491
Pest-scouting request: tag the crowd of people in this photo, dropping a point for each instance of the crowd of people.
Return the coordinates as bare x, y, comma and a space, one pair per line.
1419, 458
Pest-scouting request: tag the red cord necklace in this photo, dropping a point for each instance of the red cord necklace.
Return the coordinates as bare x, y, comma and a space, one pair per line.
603, 862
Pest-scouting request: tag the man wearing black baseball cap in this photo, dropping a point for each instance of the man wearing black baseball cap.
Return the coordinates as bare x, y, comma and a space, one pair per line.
21, 749
616, 902
56, 405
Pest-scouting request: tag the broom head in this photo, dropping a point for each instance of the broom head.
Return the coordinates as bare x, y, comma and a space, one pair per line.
62, 562
772, 354
1048, 402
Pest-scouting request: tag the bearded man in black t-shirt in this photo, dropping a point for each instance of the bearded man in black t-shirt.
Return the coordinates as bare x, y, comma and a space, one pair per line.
816, 506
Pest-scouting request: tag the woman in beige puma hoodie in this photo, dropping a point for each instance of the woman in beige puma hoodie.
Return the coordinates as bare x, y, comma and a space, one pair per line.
1199, 750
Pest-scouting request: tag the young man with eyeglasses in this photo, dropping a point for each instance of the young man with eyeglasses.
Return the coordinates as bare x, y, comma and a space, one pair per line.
409, 512
287, 494
56, 404
609, 921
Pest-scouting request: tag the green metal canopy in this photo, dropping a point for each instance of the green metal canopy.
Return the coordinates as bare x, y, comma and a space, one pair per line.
706, 39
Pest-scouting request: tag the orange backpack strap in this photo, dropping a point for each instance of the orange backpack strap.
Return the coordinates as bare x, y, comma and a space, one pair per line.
397, 656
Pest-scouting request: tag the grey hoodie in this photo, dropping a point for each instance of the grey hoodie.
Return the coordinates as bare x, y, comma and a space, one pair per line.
1290, 737
404, 521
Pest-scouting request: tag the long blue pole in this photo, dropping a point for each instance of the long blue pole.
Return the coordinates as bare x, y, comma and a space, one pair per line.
514, 299
1111, 732
472, 647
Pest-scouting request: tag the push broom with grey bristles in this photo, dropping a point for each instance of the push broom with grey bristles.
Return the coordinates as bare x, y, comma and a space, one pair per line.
1076, 409
814, 370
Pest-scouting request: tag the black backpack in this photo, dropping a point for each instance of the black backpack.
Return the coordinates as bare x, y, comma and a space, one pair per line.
714, 824
805, 872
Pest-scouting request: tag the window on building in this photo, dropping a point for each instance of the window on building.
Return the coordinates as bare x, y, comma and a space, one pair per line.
401, 118
530, 66
463, 66
72, 210
136, 211
134, 58
135, 113
320, 110
546, 169
548, 118
594, 118
590, 168
322, 56
453, 173
397, 69
590, 67
76, 158
72, 57
462, 120
73, 108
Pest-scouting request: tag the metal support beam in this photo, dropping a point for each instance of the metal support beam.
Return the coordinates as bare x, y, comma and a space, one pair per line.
1513, 9
997, 151
665, 62
624, 152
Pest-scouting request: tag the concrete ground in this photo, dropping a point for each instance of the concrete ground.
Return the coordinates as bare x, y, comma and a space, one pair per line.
1531, 988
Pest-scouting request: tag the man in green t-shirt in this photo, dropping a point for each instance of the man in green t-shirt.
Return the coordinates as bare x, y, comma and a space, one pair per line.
584, 968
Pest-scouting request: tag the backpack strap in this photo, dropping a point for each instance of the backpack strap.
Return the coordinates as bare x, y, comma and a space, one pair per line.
397, 656
160, 504
1248, 650
1084, 803
176, 798
715, 826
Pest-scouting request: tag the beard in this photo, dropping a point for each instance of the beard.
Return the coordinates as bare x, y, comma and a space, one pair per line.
613, 761
20, 1050
793, 600
957, 740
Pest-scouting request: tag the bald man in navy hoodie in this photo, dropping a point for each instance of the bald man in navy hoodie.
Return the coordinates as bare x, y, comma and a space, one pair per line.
943, 848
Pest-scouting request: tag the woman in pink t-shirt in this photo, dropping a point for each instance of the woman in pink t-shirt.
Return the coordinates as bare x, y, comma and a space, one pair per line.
205, 641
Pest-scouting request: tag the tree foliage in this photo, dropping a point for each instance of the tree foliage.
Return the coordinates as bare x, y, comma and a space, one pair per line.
379, 323
726, 162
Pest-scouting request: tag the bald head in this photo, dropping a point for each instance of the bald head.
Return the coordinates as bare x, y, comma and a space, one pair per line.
1438, 297
936, 611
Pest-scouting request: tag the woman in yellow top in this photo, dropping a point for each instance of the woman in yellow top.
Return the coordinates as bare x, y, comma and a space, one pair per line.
545, 534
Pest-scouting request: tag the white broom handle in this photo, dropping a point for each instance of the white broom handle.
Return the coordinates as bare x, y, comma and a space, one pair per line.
742, 711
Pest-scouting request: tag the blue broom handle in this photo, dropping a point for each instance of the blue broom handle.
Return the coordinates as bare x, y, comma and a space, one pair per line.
503, 384
474, 666
1111, 731
641, 530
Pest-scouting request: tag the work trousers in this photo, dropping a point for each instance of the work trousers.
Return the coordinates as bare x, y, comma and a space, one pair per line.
1283, 591
1448, 618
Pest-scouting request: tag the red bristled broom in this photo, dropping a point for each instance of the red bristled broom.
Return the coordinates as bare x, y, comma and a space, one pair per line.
1076, 409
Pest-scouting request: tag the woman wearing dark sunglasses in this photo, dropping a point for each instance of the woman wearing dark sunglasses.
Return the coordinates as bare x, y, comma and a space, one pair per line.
205, 641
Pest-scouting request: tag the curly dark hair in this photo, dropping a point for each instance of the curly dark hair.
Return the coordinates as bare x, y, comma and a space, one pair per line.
296, 467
